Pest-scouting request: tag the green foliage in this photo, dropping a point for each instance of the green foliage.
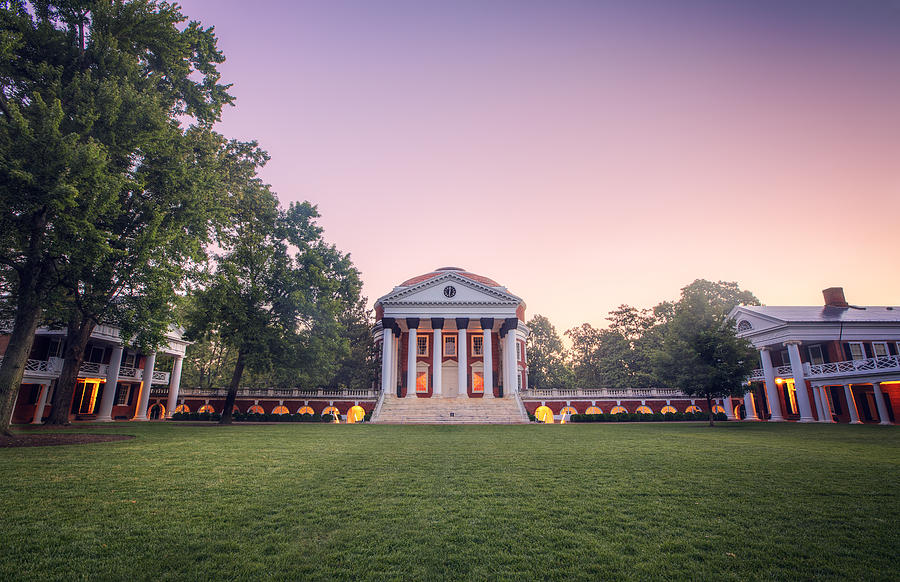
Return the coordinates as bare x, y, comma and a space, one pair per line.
655, 417
546, 356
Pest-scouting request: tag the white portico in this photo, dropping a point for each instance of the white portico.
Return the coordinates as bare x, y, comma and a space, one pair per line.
451, 334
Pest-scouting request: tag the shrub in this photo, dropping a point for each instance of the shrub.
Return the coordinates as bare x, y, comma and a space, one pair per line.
367, 417
326, 418
179, 416
215, 416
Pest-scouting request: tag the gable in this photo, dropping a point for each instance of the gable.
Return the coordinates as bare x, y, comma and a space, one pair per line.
449, 289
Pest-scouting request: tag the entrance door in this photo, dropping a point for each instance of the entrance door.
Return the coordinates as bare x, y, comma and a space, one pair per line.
450, 380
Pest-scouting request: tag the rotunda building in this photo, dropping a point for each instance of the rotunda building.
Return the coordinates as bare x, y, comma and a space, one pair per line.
451, 334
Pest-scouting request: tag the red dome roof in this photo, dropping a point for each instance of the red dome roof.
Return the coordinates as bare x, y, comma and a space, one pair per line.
462, 272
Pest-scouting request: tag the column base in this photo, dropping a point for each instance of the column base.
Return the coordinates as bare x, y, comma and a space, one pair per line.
778, 419
856, 422
805, 420
139, 420
888, 423
103, 419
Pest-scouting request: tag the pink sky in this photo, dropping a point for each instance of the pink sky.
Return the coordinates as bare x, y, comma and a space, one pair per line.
584, 154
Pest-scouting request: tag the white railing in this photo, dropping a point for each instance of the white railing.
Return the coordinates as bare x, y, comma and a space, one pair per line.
284, 393
602, 393
127, 373
160, 377
856, 367
92, 369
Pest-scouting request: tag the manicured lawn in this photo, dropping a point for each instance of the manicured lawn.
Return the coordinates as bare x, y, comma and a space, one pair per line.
300, 501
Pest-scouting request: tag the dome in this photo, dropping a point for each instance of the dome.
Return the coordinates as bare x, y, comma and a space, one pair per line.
459, 271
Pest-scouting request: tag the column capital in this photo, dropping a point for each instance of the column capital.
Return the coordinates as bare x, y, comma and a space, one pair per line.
412, 322
487, 323
793, 342
764, 349
462, 323
509, 324
437, 323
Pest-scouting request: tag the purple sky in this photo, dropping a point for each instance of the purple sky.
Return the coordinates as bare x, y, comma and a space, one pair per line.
585, 154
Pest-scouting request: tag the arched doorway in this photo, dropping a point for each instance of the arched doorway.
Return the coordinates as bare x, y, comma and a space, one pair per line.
355, 414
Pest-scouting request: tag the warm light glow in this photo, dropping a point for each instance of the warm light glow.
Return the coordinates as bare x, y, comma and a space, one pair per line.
779, 381
305, 410
206, 408
619, 410
644, 410
692, 409
257, 409
355, 414
544, 414
182, 408
152, 413
717, 409
477, 382
281, 410
332, 410
593, 410
422, 382
667, 409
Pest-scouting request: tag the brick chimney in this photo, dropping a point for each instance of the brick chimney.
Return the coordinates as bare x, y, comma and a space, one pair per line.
834, 297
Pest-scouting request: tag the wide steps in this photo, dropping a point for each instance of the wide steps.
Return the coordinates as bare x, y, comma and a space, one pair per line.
450, 411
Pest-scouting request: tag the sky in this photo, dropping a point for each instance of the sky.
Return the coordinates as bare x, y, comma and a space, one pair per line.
584, 154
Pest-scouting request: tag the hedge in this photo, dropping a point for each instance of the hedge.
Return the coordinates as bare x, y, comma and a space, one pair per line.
639, 417
257, 417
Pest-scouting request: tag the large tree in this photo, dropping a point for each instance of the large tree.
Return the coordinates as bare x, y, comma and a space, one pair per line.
700, 352
547, 365
108, 168
276, 294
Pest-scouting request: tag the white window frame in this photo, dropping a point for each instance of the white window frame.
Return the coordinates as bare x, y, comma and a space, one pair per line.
812, 358
478, 340
102, 354
420, 352
423, 369
450, 339
130, 360
123, 395
55, 350
884, 345
518, 351
862, 350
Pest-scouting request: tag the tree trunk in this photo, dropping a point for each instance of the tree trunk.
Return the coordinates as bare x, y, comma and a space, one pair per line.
710, 409
233, 388
28, 315
78, 334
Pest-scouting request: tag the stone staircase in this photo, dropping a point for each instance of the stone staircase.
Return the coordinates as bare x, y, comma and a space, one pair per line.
395, 410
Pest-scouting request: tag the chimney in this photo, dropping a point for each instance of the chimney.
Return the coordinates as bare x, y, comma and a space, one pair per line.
834, 297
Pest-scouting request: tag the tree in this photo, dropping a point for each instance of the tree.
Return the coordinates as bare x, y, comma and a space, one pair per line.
104, 190
547, 367
359, 367
700, 352
276, 292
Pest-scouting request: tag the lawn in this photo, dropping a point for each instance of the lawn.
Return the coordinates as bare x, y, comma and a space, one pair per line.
599, 501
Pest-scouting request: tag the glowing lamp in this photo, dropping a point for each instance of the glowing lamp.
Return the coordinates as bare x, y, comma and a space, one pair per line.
779, 381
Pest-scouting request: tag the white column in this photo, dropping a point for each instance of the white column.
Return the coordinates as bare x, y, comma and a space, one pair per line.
395, 363
826, 403
488, 364
411, 364
387, 361
799, 381
879, 402
41, 404
817, 397
437, 354
509, 364
750, 406
729, 408
146, 384
851, 405
174, 386
771, 387
109, 389
462, 359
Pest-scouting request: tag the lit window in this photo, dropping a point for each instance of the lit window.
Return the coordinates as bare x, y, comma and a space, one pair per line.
356, 414
718, 409
333, 411
281, 410
692, 408
477, 382
880, 349
449, 345
256, 409
568, 410
422, 345
667, 409
544, 414
305, 410
792, 396
857, 352
619, 410
422, 382
644, 410
815, 355
206, 408
477, 345
156, 412
182, 408
593, 410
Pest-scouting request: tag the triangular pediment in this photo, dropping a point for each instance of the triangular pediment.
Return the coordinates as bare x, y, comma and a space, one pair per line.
449, 289
750, 321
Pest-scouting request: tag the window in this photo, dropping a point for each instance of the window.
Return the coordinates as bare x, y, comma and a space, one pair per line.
880, 349
815, 355
184, 408
56, 348
477, 382
129, 361
519, 381
668, 409
619, 410
305, 410
593, 410
421, 345
519, 351
644, 410
280, 410
96, 356
421, 381
477, 345
123, 394
257, 409
206, 408
857, 352
449, 345
785, 358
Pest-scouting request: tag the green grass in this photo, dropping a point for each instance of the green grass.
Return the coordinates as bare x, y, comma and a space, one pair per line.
660, 501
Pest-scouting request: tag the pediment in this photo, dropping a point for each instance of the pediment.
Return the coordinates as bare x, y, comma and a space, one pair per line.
449, 289
750, 322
